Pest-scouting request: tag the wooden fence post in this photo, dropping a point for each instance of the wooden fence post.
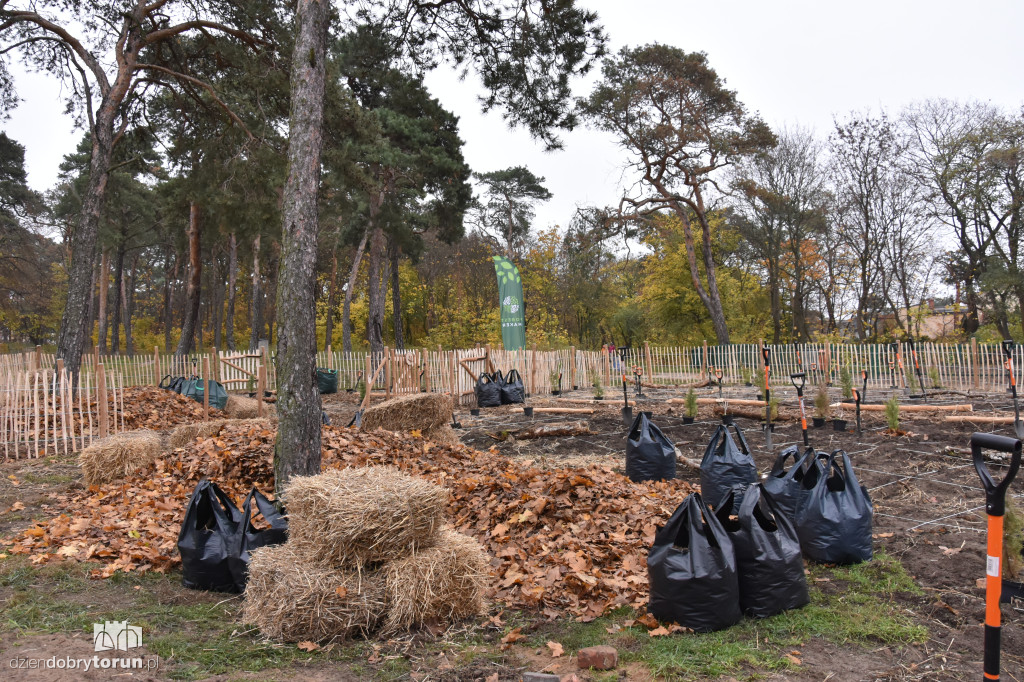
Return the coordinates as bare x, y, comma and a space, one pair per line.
156, 366
261, 385
572, 367
38, 358
650, 365
215, 359
975, 369
206, 387
704, 360
101, 398
533, 369
330, 357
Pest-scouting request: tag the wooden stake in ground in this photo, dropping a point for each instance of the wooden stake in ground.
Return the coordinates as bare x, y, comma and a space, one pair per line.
206, 388
101, 398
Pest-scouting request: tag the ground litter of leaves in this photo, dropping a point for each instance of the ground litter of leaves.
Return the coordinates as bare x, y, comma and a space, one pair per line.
562, 541
139, 407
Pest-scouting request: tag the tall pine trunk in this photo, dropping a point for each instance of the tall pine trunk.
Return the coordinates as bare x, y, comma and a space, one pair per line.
102, 314
170, 276
331, 294
396, 297
256, 299
71, 338
229, 320
377, 289
346, 308
128, 296
195, 274
115, 323
297, 449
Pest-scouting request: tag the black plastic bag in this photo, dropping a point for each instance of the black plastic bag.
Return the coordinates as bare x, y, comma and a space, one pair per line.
193, 388
488, 391
834, 523
769, 565
172, 383
326, 380
785, 485
691, 569
248, 537
512, 389
207, 539
725, 465
650, 455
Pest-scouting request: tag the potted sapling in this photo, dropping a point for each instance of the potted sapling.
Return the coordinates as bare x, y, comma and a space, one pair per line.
691, 407
839, 423
556, 380
595, 381
846, 381
892, 414
822, 408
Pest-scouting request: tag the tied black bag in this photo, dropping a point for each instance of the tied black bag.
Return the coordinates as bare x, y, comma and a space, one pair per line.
691, 569
207, 538
834, 523
785, 485
650, 455
172, 383
248, 537
725, 465
488, 392
512, 389
769, 566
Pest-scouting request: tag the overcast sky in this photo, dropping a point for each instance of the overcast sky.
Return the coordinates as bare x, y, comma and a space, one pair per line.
797, 63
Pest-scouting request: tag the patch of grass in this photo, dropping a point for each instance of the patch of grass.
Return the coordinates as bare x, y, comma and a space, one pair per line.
860, 612
50, 477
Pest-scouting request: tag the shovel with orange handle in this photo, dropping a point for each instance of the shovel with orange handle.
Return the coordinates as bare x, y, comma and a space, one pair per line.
800, 396
995, 507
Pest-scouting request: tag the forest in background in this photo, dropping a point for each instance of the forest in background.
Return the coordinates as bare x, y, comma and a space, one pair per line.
728, 231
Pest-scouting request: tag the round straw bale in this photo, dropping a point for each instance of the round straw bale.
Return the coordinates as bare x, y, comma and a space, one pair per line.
442, 584
417, 411
352, 517
115, 457
292, 599
242, 407
442, 435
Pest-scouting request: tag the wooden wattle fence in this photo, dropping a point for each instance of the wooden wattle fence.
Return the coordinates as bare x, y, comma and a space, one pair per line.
42, 412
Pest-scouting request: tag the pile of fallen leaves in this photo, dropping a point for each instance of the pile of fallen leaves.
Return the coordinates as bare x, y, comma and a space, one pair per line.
570, 540
144, 407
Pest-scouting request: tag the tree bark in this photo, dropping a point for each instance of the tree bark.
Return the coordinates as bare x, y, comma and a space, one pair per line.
346, 318
396, 297
169, 277
377, 289
297, 449
217, 284
128, 296
256, 299
195, 273
102, 314
115, 323
92, 302
71, 338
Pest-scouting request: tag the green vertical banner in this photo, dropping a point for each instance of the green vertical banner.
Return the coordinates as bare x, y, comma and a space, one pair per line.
510, 294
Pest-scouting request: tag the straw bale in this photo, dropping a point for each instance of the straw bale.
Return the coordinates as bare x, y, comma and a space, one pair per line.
243, 407
421, 411
441, 584
442, 435
352, 517
290, 598
186, 434
115, 457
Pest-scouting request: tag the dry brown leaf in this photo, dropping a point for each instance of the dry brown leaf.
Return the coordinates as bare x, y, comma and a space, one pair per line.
660, 631
556, 649
308, 646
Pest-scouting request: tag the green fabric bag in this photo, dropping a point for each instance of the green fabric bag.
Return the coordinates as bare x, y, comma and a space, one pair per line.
193, 388
327, 380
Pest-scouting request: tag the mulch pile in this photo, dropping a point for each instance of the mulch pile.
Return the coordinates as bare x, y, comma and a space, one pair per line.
562, 541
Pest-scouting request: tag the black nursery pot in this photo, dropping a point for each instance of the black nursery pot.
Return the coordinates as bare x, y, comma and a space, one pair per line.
727, 419
598, 397
688, 420
527, 411
748, 383
817, 422
839, 424
475, 411
556, 393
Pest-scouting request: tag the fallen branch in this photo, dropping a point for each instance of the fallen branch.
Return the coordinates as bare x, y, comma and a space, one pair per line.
873, 407
563, 410
979, 420
554, 430
719, 401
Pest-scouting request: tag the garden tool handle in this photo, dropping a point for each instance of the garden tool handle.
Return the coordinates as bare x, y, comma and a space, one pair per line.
766, 353
995, 493
802, 376
1008, 346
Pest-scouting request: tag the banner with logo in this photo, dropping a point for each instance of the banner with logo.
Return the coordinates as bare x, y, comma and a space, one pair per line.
510, 293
